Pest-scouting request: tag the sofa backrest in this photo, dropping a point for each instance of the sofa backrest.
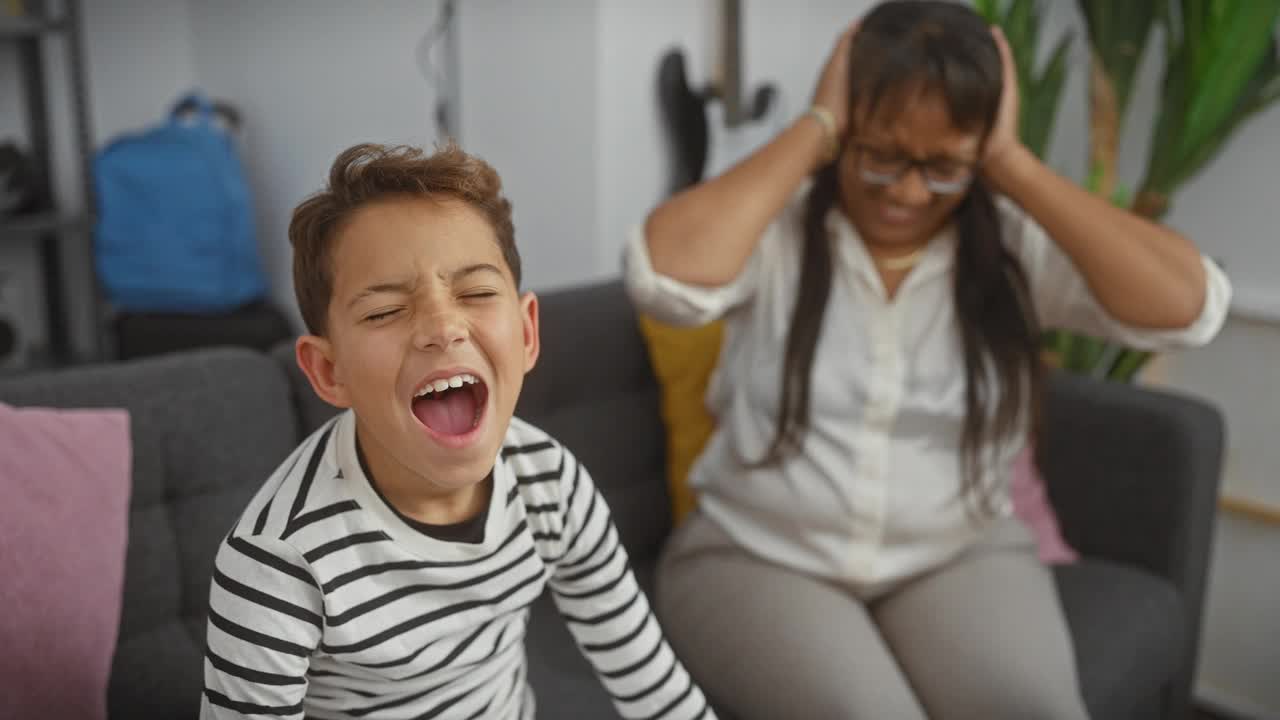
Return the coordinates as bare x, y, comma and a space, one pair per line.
207, 428
593, 390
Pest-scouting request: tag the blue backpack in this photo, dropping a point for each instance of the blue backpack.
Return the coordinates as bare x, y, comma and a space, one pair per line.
175, 228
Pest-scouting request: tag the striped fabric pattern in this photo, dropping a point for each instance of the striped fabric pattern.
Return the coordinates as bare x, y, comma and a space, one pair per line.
325, 604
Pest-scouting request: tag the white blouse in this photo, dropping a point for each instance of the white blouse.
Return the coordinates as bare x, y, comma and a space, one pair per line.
873, 498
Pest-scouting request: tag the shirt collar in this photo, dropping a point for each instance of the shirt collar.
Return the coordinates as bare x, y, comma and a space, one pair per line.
852, 257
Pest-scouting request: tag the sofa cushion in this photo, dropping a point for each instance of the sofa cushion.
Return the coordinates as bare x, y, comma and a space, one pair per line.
684, 359
1031, 505
64, 476
1127, 628
207, 430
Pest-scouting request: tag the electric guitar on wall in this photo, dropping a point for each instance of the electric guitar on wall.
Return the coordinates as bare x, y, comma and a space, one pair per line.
685, 110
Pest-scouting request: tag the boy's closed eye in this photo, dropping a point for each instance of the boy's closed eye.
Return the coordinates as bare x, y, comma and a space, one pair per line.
479, 294
382, 314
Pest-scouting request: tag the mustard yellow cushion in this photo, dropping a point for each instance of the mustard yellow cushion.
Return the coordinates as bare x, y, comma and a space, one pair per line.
683, 359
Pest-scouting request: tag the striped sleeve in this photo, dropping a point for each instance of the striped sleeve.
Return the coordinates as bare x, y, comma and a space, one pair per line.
608, 613
265, 620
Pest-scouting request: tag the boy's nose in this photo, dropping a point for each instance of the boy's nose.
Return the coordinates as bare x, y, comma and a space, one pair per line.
439, 330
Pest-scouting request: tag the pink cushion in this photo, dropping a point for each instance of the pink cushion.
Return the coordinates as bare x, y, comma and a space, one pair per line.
1031, 505
65, 482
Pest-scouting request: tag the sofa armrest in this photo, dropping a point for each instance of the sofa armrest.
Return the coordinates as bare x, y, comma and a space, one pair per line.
1133, 474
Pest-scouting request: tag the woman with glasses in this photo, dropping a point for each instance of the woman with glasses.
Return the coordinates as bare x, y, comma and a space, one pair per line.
884, 267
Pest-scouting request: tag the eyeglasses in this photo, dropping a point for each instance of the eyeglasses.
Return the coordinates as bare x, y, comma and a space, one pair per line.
941, 176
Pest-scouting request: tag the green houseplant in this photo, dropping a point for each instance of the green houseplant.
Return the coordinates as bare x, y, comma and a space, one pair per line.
1220, 67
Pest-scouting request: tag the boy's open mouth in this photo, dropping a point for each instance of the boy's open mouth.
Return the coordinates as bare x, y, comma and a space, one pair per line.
451, 406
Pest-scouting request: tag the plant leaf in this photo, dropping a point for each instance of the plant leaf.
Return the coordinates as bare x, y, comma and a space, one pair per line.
1043, 99
1163, 161
1118, 34
1040, 90
1083, 354
1022, 23
1127, 365
988, 10
1267, 89
1179, 150
1226, 54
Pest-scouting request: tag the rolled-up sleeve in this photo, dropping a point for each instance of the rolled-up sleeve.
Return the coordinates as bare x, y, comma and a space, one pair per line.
1064, 300
678, 303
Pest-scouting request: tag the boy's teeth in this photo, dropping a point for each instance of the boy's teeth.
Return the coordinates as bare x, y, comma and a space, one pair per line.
456, 381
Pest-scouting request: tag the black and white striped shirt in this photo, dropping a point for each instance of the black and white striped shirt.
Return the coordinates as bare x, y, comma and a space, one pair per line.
325, 603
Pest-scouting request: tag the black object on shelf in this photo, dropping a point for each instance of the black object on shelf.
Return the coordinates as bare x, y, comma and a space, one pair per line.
21, 228
21, 185
62, 235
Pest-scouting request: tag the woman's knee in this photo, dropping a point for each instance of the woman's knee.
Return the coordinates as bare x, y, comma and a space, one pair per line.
765, 644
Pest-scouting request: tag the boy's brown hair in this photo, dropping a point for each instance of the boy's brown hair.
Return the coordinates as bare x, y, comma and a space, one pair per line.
369, 172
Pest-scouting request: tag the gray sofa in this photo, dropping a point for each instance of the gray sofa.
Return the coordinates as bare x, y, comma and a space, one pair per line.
1134, 475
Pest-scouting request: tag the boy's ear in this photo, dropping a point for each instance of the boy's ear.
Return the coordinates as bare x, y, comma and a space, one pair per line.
532, 342
315, 358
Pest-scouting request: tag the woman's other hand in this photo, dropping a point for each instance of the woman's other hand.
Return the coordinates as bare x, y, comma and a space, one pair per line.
1004, 142
832, 92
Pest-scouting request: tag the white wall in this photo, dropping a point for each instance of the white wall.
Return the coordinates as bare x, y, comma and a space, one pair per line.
529, 87
312, 78
632, 39
1230, 211
139, 60
1240, 658
1240, 372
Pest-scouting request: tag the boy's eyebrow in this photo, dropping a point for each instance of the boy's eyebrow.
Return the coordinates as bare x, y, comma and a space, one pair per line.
403, 287
462, 272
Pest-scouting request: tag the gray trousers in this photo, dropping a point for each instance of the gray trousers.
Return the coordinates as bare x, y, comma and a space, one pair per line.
982, 637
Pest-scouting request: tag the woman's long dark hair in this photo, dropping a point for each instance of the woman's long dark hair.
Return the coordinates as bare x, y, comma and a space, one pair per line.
943, 47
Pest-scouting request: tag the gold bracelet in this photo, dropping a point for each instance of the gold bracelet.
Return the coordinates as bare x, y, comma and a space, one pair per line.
827, 120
